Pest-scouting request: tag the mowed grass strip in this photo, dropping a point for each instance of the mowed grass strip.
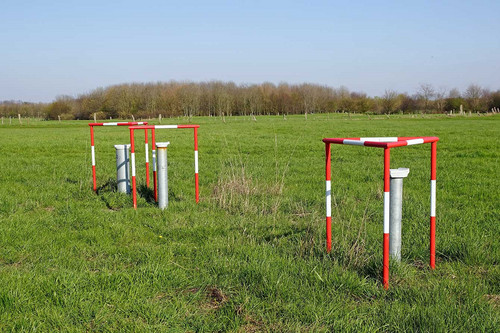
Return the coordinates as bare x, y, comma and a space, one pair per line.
251, 255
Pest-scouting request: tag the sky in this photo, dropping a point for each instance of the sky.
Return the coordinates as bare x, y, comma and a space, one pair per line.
52, 48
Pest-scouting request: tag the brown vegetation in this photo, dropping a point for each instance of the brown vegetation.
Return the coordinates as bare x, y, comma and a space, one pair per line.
216, 98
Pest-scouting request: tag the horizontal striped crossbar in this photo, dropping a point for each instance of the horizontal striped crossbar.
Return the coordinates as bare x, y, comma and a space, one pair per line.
131, 123
383, 142
163, 126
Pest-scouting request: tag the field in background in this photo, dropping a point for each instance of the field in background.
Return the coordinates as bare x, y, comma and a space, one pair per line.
251, 256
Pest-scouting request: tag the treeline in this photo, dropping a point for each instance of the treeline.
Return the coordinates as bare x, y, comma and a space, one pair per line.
216, 98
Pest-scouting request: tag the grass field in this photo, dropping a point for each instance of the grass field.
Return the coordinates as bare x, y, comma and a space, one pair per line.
251, 255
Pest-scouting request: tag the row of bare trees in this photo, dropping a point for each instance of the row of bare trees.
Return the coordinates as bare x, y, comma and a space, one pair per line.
216, 98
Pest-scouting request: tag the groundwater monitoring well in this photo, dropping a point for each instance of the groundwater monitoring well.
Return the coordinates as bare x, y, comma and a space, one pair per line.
387, 143
153, 129
92, 146
396, 211
122, 168
162, 168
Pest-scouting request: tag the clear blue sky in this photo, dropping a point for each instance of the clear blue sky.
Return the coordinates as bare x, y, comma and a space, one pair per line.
50, 48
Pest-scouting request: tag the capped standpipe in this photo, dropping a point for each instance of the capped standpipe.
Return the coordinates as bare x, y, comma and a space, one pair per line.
123, 168
162, 174
396, 210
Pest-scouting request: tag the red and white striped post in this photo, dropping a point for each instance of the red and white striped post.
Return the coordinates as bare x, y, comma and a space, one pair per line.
197, 191
328, 199
153, 128
92, 147
387, 143
432, 260
132, 161
387, 189
155, 182
146, 148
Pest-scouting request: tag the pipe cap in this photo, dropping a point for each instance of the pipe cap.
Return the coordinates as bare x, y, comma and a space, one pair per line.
118, 147
400, 172
162, 144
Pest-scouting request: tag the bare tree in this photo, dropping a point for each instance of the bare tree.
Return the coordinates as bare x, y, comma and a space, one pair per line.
473, 95
426, 93
440, 99
389, 101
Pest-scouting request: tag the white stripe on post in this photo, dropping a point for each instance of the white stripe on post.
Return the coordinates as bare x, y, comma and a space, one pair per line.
110, 124
386, 211
195, 161
132, 160
328, 198
388, 139
166, 126
154, 160
433, 198
147, 152
354, 142
93, 155
414, 142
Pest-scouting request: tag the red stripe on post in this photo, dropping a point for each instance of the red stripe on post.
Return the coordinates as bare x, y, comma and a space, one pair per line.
195, 138
132, 145
134, 194
387, 172
155, 186
197, 194
432, 260
91, 135
433, 160
328, 234
328, 153
94, 178
386, 262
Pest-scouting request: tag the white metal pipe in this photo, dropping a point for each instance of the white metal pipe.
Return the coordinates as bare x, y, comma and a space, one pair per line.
396, 211
162, 174
123, 168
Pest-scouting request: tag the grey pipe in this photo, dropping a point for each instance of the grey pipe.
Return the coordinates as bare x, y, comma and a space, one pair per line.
396, 211
123, 168
162, 174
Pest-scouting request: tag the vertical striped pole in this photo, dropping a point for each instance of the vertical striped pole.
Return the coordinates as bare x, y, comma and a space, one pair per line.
328, 199
132, 161
197, 191
433, 207
155, 182
92, 149
147, 155
387, 186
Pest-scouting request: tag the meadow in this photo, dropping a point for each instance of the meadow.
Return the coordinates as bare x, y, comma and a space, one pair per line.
250, 256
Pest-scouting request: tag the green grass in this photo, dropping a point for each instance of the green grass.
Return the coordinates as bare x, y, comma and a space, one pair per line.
251, 255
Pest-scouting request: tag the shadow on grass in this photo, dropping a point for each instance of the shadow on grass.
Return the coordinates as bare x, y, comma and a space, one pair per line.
147, 193
109, 186
454, 252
